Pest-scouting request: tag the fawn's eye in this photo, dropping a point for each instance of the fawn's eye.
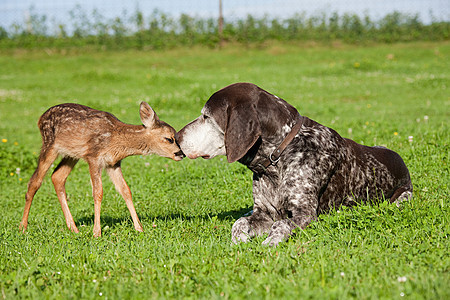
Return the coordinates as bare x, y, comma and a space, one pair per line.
170, 140
205, 117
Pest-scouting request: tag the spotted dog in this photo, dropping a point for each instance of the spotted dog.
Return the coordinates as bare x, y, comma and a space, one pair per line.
315, 171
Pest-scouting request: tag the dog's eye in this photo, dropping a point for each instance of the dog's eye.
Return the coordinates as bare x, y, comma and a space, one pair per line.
170, 140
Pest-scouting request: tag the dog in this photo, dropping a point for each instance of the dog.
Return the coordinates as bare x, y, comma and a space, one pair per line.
300, 167
75, 132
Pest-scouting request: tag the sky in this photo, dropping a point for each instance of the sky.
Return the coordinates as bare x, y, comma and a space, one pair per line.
57, 11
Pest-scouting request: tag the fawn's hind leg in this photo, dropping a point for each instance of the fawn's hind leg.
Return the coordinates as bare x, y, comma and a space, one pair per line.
46, 158
59, 177
95, 171
115, 173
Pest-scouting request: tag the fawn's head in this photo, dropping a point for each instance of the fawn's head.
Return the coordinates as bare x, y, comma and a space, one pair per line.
161, 135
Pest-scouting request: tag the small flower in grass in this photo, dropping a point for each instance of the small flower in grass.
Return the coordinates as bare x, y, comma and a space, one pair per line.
350, 131
410, 138
402, 294
16, 143
401, 279
425, 118
17, 171
396, 133
12, 174
100, 294
356, 65
4, 140
94, 280
147, 164
154, 225
342, 274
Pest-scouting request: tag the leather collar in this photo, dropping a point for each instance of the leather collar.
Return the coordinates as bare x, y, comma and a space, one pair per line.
274, 157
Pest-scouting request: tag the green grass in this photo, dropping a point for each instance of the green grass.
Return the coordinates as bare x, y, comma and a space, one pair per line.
383, 93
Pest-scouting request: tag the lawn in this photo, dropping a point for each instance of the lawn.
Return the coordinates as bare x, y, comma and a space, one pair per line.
393, 95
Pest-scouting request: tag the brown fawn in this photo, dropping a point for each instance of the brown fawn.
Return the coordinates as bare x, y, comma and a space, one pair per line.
75, 132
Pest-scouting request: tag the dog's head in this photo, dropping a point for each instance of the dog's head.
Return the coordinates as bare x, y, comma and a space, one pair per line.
232, 120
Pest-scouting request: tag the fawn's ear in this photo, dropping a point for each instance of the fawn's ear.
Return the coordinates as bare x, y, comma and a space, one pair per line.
148, 115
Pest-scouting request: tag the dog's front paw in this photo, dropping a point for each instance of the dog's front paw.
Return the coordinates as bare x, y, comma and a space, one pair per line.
279, 232
240, 232
272, 241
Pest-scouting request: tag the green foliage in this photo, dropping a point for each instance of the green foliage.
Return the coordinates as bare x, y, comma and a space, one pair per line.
15, 158
161, 30
393, 95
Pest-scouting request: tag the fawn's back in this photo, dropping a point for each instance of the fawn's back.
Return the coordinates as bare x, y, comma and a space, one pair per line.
79, 131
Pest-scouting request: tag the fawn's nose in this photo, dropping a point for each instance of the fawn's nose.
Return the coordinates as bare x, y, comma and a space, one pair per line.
180, 154
178, 139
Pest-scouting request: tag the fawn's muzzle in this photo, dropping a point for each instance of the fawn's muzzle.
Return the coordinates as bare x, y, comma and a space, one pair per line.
180, 154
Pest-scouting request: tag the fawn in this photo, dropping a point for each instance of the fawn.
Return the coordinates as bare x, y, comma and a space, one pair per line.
76, 132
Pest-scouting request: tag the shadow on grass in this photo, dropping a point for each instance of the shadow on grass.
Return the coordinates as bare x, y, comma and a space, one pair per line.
112, 222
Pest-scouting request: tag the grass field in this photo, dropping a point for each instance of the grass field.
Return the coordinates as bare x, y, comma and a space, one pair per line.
393, 95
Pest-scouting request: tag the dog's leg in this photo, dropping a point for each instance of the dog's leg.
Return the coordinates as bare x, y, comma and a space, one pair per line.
282, 230
302, 210
403, 193
264, 212
241, 231
247, 227
115, 173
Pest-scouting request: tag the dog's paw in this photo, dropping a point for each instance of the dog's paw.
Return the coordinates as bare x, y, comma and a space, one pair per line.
280, 232
405, 196
240, 232
273, 241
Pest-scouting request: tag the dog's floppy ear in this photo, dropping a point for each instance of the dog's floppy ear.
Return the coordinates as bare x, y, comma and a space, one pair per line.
242, 131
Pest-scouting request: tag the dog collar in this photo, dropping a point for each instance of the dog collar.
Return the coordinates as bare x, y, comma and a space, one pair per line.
274, 157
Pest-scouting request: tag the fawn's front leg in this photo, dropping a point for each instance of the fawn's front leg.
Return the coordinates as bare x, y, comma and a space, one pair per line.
115, 173
97, 192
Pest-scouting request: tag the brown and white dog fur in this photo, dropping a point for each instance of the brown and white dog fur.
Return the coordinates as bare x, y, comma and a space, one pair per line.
318, 170
76, 132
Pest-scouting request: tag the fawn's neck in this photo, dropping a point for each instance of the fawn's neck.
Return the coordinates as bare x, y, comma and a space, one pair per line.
132, 140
